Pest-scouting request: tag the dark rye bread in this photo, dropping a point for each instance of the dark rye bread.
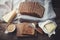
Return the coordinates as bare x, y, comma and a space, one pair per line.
32, 9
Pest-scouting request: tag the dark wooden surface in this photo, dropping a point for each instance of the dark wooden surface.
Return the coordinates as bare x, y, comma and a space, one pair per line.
56, 7
38, 36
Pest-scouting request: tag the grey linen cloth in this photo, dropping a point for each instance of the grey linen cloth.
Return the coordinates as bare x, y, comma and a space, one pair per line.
7, 5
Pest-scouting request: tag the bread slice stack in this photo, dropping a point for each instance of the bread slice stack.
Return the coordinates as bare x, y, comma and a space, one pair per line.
32, 9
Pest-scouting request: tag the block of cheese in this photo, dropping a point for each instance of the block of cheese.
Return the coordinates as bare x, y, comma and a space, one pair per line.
31, 8
24, 29
9, 16
50, 27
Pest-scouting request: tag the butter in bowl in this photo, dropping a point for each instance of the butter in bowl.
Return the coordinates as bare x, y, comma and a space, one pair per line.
10, 28
48, 27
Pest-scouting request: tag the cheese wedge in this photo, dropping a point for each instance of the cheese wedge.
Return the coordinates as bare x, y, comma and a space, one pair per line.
9, 17
50, 27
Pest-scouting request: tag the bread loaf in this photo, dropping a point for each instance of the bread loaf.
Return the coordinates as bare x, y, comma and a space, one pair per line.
31, 8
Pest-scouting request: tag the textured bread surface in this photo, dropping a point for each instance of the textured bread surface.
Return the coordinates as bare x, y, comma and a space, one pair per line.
24, 29
31, 8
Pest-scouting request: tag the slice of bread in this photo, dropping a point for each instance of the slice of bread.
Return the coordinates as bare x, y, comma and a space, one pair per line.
24, 29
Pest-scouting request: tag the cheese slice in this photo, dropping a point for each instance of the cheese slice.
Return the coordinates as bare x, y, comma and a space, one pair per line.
9, 17
50, 27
